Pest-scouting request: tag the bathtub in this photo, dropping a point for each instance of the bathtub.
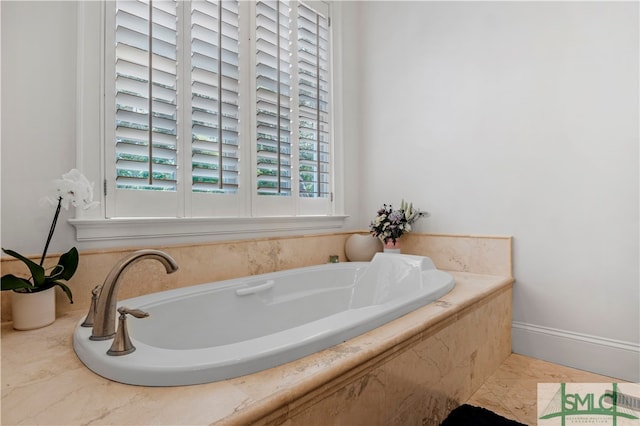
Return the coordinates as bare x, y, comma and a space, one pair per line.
227, 329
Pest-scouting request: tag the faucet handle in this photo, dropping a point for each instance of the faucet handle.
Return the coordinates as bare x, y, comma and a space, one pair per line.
122, 343
138, 313
95, 293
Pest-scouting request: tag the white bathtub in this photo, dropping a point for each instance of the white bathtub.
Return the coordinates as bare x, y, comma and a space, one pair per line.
230, 328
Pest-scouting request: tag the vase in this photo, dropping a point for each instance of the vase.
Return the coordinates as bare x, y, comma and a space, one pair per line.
33, 310
391, 247
361, 248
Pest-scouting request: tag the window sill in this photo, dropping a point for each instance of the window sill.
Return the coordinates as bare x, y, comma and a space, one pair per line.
185, 230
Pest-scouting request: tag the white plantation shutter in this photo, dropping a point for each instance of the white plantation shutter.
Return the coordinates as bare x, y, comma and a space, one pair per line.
273, 98
146, 95
313, 103
217, 108
214, 96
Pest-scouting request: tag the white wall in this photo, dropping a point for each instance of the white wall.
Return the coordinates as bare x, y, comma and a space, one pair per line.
38, 119
516, 118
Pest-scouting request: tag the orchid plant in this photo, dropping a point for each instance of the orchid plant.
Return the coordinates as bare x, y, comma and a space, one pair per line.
390, 224
74, 189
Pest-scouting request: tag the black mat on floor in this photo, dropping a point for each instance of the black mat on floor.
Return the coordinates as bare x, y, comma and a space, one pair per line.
468, 415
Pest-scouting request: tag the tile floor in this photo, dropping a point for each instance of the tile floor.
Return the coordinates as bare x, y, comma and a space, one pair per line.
512, 390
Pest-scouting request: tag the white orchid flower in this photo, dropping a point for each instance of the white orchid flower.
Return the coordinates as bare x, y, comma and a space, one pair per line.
75, 189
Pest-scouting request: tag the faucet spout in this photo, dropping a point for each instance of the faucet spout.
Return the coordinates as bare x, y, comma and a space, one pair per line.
104, 325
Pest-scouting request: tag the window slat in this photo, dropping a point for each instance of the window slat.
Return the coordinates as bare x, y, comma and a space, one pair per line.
312, 103
214, 90
273, 84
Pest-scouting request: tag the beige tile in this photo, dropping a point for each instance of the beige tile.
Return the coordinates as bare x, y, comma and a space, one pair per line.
478, 254
210, 262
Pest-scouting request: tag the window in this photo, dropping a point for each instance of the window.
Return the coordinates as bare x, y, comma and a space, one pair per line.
217, 109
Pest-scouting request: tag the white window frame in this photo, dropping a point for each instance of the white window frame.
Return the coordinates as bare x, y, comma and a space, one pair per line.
95, 228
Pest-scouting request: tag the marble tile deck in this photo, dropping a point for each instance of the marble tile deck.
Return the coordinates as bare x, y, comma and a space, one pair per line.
512, 390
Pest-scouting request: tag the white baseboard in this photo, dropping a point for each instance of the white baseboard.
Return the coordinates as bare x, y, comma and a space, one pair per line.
613, 358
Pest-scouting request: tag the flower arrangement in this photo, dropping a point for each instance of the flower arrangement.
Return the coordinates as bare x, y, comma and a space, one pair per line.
74, 189
390, 224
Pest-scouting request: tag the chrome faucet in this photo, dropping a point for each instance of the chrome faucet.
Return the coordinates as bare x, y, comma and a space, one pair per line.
104, 324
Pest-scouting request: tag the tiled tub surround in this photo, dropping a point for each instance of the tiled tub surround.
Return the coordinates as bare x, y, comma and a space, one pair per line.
218, 261
410, 371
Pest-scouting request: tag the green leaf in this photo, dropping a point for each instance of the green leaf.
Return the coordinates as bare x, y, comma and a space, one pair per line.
37, 271
64, 270
66, 289
11, 282
69, 261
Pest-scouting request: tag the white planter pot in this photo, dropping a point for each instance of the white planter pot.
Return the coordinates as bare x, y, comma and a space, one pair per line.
361, 248
33, 310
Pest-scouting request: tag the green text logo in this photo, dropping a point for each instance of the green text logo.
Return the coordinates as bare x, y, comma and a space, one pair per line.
589, 403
